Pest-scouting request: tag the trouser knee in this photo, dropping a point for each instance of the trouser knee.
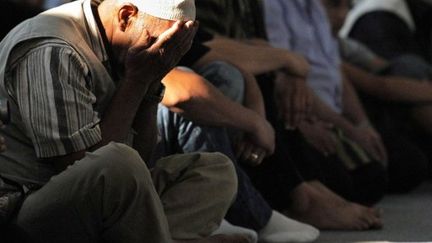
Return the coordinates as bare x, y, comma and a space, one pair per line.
229, 181
227, 78
93, 193
119, 162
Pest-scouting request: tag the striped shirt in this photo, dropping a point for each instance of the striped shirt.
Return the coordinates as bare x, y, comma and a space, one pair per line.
57, 100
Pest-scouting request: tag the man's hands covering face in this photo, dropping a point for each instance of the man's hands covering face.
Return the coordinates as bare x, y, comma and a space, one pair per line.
150, 59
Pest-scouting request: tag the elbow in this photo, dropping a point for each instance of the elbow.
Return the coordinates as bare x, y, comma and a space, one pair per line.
177, 99
185, 91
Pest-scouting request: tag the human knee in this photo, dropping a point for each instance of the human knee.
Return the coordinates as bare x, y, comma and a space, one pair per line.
119, 163
222, 173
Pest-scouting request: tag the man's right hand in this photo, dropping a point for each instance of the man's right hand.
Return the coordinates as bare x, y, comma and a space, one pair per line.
254, 146
319, 135
370, 140
154, 58
297, 65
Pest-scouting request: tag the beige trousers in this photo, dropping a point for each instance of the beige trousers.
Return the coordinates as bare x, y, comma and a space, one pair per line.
111, 196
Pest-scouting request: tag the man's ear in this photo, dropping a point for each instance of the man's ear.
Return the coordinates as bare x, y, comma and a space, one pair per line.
126, 13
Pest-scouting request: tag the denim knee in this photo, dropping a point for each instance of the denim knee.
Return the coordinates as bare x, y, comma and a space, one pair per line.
227, 78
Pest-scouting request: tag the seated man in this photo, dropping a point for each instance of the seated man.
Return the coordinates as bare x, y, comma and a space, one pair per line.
392, 27
397, 95
309, 200
83, 81
201, 118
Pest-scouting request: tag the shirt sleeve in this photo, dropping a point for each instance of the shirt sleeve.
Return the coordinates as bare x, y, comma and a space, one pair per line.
278, 32
52, 88
358, 54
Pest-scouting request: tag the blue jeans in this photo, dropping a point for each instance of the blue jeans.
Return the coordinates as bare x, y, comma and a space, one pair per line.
180, 135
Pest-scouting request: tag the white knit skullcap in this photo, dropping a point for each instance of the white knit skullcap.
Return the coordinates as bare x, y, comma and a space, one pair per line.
166, 9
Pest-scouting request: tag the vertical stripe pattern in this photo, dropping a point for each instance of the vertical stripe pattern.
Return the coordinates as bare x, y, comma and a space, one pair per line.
52, 86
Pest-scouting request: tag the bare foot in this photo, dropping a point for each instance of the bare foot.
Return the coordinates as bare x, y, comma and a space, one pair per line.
338, 200
237, 238
317, 205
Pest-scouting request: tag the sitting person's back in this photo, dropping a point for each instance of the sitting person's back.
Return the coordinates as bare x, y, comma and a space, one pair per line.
392, 27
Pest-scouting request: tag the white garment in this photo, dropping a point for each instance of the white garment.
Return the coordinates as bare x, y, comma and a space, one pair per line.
226, 228
281, 229
362, 7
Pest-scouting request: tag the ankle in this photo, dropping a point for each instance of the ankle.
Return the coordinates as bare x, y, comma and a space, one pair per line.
301, 198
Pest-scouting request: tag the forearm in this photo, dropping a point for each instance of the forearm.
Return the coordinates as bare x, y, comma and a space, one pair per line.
253, 58
145, 125
352, 107
120, 115
253, 98
390, 88
192, 96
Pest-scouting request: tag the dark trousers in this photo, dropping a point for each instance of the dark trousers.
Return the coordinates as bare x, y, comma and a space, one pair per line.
276, 178
295, 161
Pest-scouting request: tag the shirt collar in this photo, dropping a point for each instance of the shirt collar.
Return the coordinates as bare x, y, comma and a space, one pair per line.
95, 37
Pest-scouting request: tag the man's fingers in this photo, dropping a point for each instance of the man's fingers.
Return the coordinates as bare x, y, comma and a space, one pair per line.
246, 155
261, 155
183, 34
239, 149
143, 42
186, 35
256, 156
374, 151
167, 35
381, 150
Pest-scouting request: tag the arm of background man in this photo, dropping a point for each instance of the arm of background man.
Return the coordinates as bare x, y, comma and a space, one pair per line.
260, 144
325, 113
352, 107
191, 95
363, 133
194, 97
254, 58
389, 88
259, 59
253, 98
